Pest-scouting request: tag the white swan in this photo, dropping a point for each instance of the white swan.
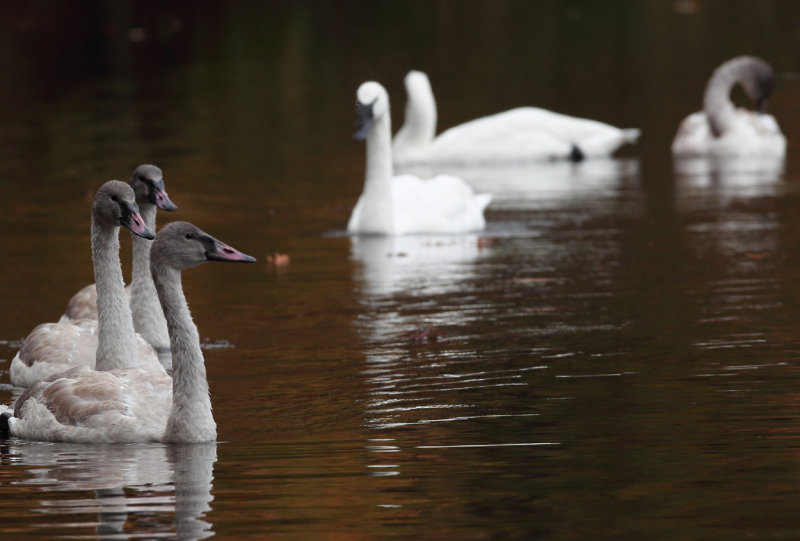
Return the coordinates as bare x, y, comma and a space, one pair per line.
147, 182
52, 348
723, 129
521, 134
397, 205
129, 405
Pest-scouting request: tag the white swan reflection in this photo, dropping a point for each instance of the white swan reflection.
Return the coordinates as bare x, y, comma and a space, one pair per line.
758, 174
556, 183
415, 264
128, 486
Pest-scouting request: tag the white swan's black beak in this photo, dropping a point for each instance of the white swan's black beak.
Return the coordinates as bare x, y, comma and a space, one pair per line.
364, 120
133, 220
219, 251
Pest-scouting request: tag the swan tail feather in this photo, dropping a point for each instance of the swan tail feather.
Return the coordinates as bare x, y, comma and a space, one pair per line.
483, 200
631, 135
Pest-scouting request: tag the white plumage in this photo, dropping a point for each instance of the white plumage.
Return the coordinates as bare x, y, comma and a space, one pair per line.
406, 204
724, 130
521, 134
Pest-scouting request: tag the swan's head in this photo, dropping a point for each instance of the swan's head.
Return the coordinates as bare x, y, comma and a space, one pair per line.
757, 81
181, 245
753, 74
115, 205
416, 82
147, 182
372, 102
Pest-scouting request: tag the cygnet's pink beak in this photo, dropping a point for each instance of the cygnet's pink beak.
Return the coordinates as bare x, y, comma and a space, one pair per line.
163, 202
223, 252
135, 223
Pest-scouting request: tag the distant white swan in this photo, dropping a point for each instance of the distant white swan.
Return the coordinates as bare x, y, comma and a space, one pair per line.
522, 134
722, 129
147, 182
129, 405
404, 204
55, 347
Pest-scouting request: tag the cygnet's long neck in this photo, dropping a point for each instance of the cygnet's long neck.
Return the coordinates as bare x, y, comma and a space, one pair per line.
717, 105
419, 127
116, 341
377, 213
148, 319
190, 419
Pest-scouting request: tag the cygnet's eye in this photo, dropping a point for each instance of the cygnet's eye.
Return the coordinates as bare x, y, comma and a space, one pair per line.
115, 198
189, 235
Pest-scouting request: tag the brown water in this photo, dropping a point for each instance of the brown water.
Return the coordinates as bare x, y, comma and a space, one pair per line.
616, 356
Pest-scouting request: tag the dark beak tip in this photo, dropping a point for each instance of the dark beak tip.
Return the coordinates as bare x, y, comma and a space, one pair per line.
164, 203
145, 233
230, 255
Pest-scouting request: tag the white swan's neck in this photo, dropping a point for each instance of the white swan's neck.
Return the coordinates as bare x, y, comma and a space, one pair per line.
190, 419
148, 319
717, 105
419, 126
377, 212
116, 341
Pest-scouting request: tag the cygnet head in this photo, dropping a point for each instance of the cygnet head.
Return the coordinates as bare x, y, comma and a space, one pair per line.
147, 182
115, 205
372, 102
181, 245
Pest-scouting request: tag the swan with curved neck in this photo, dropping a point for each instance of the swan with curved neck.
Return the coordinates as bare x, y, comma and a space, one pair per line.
405, 204
722, 129
131, 405
418, 131
517, 135
148, 319
116, 342
54, 347
147, 182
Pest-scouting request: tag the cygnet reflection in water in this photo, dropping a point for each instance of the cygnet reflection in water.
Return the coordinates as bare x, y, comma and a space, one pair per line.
130, 484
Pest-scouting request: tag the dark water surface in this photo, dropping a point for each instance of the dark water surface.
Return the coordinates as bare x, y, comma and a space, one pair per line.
616, 356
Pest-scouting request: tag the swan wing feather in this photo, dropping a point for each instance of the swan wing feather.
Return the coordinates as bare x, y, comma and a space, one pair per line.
751, 134
443, 204
83, 405
527, 133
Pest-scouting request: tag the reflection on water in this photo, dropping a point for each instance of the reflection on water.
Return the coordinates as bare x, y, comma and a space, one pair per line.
616, 356
134, 490
415, 264
729, 171
518, 185
437, 399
